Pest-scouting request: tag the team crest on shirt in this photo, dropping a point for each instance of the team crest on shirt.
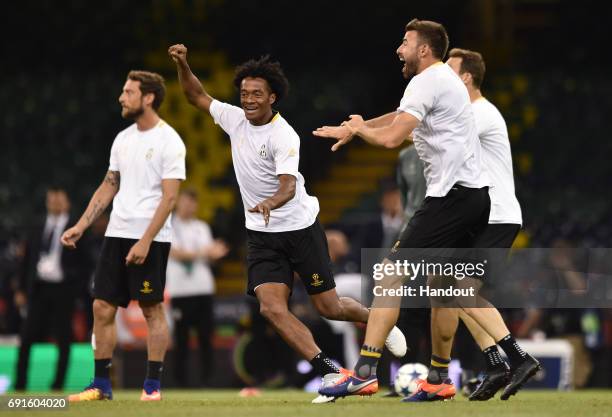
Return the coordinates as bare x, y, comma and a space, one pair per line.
149, 154
263, 154
146, 287
316, 280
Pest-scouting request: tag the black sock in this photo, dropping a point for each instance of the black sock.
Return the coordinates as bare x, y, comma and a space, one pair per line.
102, 368
493, 358
323, 365
154, 370
438, 370
368, 360
515, 354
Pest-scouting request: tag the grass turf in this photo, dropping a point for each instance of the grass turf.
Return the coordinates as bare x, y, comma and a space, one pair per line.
290, 403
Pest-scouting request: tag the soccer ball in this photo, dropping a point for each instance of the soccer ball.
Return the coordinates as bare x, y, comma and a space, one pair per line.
407, 377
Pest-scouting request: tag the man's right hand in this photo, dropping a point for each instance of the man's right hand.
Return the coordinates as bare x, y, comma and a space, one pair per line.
342, 134
178, 53
71, 236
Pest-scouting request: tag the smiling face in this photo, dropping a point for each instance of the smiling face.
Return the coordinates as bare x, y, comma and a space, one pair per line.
256, 100
410, 53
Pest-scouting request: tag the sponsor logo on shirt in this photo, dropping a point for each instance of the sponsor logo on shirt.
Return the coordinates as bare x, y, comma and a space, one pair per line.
146, 287
292, 152
149, 154
316, 280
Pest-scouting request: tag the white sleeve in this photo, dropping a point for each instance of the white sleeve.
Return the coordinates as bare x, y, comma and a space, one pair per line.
226, 115
418, 98
482, 121
113, 163
205, 236
173, 159
286, 154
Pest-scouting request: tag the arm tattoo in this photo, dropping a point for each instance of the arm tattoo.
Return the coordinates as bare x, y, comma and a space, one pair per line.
96, 210
113, 178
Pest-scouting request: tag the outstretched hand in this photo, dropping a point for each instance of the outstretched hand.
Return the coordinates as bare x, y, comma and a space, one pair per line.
342, 134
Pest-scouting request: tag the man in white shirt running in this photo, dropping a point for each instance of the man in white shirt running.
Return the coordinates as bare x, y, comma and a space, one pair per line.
505, 220
284, 235
435, 114
147, 164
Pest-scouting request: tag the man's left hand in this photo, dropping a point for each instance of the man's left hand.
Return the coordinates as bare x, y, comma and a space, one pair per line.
138, 253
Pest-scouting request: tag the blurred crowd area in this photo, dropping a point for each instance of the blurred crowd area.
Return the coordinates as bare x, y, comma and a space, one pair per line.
546, 73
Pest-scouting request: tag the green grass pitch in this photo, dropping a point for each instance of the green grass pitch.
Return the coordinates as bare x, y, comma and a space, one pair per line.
290, 403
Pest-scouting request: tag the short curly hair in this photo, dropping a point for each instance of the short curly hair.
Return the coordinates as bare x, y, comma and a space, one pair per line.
267, 69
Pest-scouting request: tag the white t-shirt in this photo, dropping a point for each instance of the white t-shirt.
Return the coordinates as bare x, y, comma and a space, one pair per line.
497, 158
446, 139
259, 155
186, 279
143, 159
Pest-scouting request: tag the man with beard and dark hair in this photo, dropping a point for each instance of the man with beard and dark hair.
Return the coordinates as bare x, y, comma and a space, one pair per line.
435, 114
283, 231
147, 164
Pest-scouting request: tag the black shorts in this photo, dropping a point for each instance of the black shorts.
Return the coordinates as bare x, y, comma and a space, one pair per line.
453, 221
498, 235
275, 256
118, 284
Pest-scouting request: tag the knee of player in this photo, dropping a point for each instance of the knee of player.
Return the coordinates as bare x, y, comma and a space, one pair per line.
152, 311
103, 310
273, 312
331, 311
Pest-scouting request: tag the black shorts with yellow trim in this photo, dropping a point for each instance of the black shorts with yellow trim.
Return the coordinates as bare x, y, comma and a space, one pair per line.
118, 283
274, 257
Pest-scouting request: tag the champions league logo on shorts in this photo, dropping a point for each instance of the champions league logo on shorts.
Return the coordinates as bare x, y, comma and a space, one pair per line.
146, 287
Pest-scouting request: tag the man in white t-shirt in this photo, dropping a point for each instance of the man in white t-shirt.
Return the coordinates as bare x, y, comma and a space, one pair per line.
284, 235
147, 164
191, 285
436, 115
505, 221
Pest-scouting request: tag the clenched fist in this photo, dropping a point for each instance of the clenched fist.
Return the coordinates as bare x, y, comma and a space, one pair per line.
178, 53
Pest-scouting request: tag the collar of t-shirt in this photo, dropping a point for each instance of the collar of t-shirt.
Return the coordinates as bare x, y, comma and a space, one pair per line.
264, 127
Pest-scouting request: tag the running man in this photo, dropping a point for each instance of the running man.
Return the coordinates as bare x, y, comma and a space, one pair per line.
284, 235
505, 222
147, 164
435, 114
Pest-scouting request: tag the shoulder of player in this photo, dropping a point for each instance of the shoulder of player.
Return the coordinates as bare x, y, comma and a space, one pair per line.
169, 134
127, 131
484, 108
282, 129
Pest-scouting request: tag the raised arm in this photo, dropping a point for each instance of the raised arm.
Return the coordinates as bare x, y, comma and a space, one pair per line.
192, 87
285, 192
98, 203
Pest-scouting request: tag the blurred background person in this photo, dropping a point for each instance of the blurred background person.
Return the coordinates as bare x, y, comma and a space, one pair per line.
50, 278
191, 286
